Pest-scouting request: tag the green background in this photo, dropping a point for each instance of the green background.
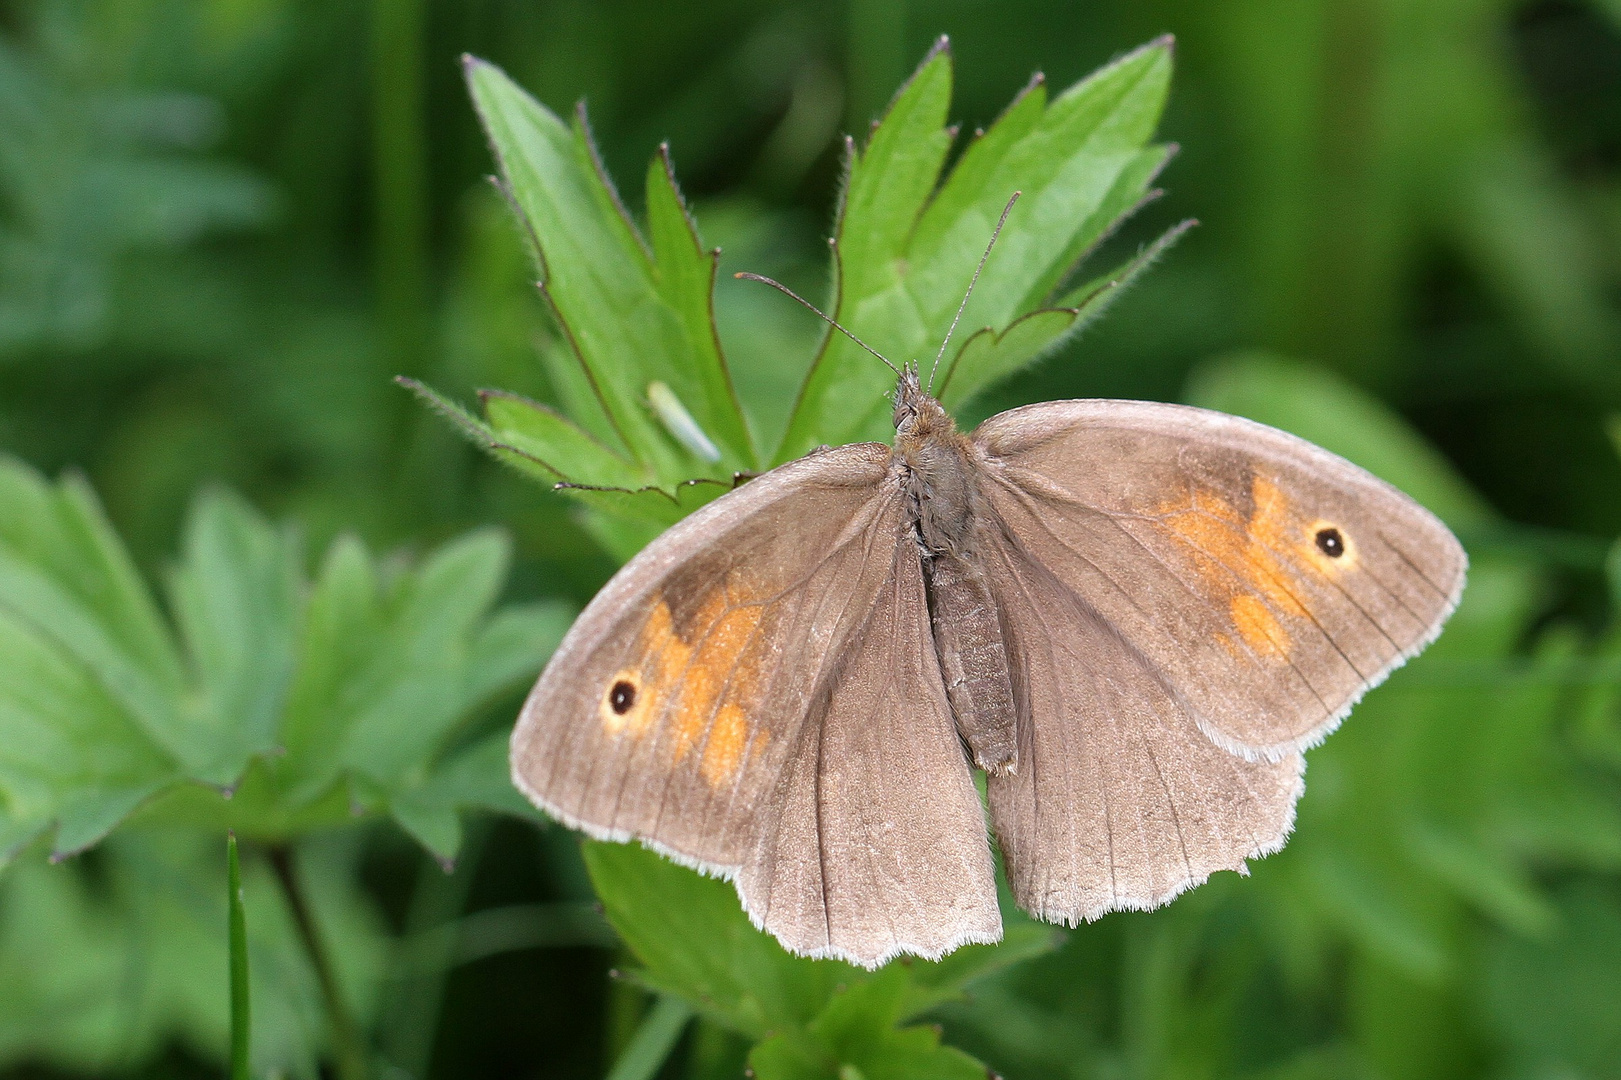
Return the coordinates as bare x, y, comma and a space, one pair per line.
226, 225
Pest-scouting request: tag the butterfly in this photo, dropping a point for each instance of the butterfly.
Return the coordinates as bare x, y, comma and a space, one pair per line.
1132, 617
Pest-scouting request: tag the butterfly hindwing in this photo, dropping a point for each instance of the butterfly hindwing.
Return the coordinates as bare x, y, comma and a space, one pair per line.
1118, 801
879, 843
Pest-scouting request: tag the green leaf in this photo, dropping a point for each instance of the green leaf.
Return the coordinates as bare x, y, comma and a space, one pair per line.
637, 365
538, 435
935, 983
535, 440
649, 401
296, 704
477, 777
65, 536
90, 721
632, 313
342, 621
90, 717
65, 739
234, 596
856, 1036
694, 941
685, 279
624, 521
905, 260
501, 652
241, 1001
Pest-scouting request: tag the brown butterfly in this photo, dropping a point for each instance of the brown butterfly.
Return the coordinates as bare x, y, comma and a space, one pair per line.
1133, 617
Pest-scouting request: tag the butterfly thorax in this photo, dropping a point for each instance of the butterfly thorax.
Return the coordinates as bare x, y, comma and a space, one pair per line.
935, 459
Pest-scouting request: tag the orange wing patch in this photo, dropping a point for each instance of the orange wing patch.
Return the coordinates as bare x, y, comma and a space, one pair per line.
1258, 626
696, 686
1251, 561
728, 739
711, 669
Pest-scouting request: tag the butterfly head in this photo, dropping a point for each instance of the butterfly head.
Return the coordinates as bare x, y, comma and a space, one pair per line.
917, 414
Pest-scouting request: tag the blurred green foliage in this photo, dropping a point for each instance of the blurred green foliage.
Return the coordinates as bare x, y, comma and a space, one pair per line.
225, 225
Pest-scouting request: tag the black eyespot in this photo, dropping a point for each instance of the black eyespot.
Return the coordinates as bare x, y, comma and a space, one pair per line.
1330, 542
622, 697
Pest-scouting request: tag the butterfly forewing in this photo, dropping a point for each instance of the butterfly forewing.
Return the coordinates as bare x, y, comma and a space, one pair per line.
1266, 582
668, 710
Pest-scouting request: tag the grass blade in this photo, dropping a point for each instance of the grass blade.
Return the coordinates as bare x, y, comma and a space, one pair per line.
241, 1017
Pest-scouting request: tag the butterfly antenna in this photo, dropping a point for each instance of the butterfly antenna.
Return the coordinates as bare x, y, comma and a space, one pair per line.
780, 287
971, 283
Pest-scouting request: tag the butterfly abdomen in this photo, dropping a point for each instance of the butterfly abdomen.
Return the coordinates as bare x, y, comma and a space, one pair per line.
973, 659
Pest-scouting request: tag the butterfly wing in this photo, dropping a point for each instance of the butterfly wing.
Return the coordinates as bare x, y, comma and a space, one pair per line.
1118, 799
1267, 582
754, 695
877, 845
1177, 633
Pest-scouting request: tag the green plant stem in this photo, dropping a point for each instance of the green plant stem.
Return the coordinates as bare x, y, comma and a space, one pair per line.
241, 1018
348, 1048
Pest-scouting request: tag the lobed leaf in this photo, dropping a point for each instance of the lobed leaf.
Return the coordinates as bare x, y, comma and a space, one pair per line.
697, 944
274, 706
637, 365
234, 596
905, 259
541, 436
650, 405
